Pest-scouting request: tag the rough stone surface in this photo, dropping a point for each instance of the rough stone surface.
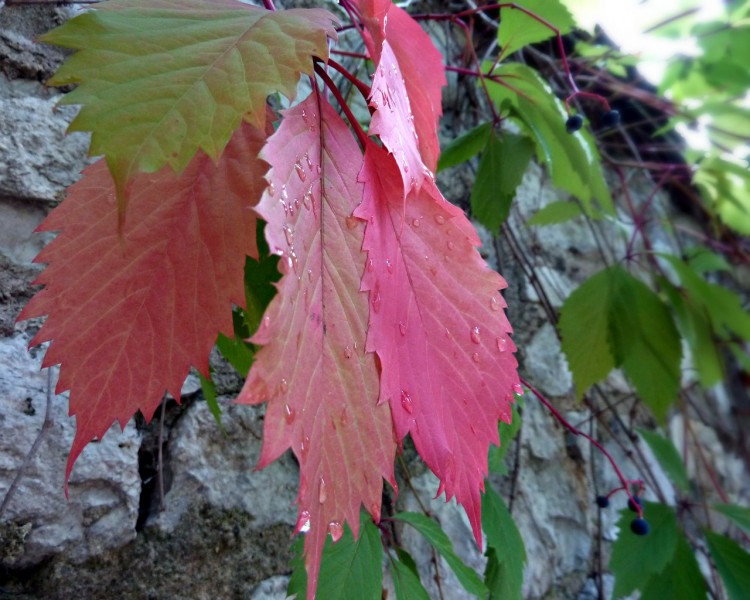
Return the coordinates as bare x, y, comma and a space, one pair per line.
224, 529
104, 488
37, 160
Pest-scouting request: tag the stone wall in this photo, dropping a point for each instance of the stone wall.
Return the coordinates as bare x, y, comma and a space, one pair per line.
222, 530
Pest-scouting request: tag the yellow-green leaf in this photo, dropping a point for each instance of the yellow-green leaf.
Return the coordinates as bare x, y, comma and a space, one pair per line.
160, 79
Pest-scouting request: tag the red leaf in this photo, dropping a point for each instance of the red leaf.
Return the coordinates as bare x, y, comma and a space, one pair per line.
438, 326
417, 61
320, 384
129, 314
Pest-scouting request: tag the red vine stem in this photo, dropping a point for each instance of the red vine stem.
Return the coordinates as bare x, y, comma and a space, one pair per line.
512, 5
361, 135
269, 4
363, 88
555, 413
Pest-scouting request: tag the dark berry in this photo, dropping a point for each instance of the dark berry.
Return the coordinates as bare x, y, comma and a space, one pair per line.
574, 123
602, 501
611, 118
639, 526
635, 504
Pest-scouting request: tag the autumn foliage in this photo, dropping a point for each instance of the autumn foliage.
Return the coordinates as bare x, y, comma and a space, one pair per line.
387, 321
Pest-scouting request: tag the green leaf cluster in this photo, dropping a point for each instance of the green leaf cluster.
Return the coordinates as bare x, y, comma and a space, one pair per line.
614, 320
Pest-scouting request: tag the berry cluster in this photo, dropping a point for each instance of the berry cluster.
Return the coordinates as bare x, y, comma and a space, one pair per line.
611, 118
639, 525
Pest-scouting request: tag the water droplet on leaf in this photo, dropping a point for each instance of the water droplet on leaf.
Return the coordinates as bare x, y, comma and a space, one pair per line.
351, 222
336, 529
518, 389
475, 357
300, 171
348, 351
289, 414
475, 334
440, 219
502, 343
406, 402
402, 327
323, 491
303, 522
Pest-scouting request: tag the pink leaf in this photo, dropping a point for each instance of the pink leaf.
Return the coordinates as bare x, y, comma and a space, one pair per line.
438, 326
418, 62
320, 384
129, 314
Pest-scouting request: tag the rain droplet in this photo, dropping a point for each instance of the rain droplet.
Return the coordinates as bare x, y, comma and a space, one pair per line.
475, 334
375, 510
283, 386
351, 222
416, 223
402, 327
447, 333
317, 169
323, 493
406, 402
300, 171
440, 219
502, 343
518, 389
414, 426
309, 162
344, 418
475, 357
348, 351
289, 414
289, 234
450, 245
376, 301
306, 198
336, 529
389, 265
303, 522
304, 448
370, 266
495, 303
284, 193
309, 274
265, 322
271, 189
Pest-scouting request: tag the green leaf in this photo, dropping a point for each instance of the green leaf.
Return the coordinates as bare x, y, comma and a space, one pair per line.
347, 565
406, 579
572, 159
239, 354
209, 393
158, 80
668, 457
645, 342
464, 147
702, 260
681, 577
433, 533
504, 161
732, 563
723, 306
506, 431
518, 29
584, 327
506, 553
695, 325
636, 558
555, 212
739, 515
